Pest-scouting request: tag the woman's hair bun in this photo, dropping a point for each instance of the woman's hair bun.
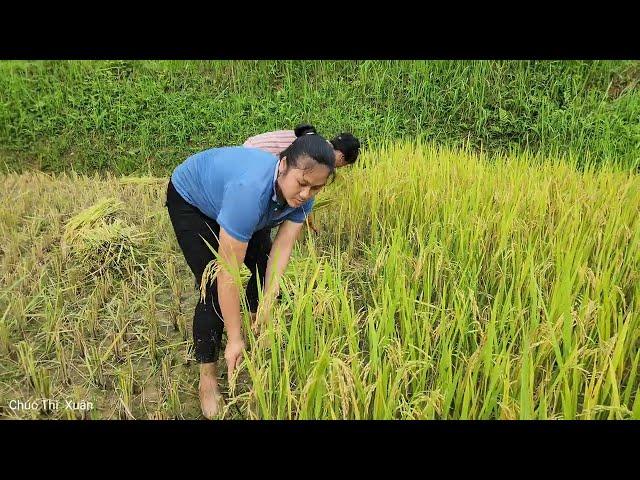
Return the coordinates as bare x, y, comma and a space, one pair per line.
304, 129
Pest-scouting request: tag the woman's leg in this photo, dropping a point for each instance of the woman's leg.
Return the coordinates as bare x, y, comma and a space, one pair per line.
189, 225
256, 260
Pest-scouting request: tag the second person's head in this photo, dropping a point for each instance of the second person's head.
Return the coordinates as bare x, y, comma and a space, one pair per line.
346, 147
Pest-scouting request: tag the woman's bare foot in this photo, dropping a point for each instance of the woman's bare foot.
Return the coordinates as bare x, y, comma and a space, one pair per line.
210, 396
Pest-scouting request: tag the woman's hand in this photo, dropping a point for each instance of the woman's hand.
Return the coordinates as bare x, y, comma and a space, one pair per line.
312, 226
233, 355
262, 317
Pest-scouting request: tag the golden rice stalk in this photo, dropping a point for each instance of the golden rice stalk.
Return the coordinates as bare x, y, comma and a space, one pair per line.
142, 180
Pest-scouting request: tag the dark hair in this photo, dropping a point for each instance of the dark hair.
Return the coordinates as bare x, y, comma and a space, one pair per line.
348, 145
314, 146
303, 129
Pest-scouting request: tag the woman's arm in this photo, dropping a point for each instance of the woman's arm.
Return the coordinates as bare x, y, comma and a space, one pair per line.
232, 254
279, 259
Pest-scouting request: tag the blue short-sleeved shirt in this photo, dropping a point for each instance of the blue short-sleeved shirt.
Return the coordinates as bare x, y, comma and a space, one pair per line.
236, 187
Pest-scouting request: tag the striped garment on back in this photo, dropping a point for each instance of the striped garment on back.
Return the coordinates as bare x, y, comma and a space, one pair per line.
272, 142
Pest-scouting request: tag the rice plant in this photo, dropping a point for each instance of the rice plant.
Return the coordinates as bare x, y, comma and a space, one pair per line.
444, 284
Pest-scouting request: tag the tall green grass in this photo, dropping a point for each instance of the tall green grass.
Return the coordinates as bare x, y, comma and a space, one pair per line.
147, 116
445, 286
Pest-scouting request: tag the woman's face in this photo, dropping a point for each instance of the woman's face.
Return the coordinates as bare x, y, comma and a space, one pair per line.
340, 161
298, 185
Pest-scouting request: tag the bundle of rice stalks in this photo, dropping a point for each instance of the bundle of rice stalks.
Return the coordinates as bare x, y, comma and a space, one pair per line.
102, 211
99, 241
240, 274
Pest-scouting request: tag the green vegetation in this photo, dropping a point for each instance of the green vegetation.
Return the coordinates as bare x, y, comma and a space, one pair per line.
148, 116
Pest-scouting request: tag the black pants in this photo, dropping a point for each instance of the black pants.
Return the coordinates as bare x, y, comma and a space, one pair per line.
189, 223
